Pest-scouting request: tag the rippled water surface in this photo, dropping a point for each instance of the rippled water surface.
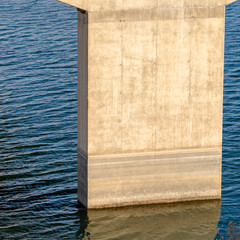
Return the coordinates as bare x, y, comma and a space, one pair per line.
38, 138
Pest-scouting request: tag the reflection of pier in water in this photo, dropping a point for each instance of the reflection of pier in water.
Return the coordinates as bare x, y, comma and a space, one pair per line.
189, 220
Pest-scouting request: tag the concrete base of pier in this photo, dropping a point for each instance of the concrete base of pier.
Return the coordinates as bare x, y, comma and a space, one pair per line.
154, 177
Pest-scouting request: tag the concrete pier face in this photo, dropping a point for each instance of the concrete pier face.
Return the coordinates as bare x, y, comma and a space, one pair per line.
150, 87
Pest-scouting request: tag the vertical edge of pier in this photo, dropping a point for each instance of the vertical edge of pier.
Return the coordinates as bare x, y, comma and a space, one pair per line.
83, 107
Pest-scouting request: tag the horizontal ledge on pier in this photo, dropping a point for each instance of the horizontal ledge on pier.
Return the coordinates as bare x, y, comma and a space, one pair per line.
103, 5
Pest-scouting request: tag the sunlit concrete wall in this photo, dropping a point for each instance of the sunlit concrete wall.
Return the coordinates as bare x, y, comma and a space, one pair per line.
150, 100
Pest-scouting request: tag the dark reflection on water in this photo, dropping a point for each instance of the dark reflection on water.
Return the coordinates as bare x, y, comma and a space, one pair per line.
196, 220
82, 232
38, 138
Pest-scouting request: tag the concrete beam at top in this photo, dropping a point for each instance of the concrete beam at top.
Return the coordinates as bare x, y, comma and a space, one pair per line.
108, 5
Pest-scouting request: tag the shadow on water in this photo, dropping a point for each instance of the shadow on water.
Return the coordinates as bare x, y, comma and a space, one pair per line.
190, 220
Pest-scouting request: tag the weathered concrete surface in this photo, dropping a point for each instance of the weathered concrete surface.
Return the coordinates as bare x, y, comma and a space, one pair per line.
150, 100
157, 177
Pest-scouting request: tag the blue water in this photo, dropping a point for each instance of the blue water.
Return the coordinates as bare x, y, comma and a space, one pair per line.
38, 139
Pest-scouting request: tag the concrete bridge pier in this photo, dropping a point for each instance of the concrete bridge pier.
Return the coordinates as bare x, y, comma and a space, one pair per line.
150, 99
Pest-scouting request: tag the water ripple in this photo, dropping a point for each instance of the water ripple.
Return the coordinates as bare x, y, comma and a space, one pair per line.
38, 137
